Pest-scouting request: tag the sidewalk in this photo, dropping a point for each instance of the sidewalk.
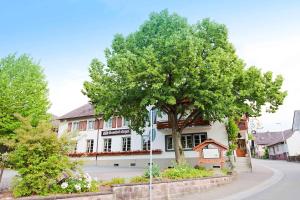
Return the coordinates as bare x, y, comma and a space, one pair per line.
244, 181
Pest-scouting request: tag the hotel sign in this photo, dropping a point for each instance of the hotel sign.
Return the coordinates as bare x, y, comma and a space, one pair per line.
116, 132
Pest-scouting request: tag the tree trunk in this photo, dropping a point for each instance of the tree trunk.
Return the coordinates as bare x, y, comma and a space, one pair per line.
1, 172
176, 136
179, 153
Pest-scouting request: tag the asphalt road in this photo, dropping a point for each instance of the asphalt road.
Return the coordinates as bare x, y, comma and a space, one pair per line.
287, 188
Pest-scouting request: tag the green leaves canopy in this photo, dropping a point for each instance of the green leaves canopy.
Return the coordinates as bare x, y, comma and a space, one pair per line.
23, 90
185, 70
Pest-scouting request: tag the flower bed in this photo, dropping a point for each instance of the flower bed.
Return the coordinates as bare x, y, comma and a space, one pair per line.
115, 153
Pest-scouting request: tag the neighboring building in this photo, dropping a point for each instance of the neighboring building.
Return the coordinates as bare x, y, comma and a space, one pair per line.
282, 145
55, 123
117, 145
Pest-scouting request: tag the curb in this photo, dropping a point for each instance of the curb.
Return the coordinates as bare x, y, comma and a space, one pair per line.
275, 178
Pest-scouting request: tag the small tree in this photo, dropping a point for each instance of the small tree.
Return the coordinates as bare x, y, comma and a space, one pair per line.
39, 157
186, 71
232, 131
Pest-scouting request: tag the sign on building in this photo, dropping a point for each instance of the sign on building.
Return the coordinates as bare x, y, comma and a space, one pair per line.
116, 132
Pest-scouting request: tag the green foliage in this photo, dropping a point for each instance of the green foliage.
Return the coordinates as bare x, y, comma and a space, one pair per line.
82, 183
186, 71
114, 181
40, 159
23, 90
139, 179
185, 172
266, 153
155, 171
250, 136
232, 131
225, 171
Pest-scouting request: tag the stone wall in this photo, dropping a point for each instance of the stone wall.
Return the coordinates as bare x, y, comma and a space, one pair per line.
161, 190
168, 190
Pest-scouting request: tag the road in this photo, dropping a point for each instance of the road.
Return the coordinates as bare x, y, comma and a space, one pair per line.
287, 188
270, 180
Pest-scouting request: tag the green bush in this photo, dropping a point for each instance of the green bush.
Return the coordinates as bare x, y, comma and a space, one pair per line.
113, 181
139, 179
185, 172
155, 171
40, 159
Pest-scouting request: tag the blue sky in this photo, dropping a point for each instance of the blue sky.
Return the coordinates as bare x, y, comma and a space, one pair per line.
64, 35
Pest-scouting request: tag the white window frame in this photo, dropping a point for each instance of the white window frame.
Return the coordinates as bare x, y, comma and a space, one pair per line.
185, 145
93, 124
75, 127
90, 146
145, 143
107, 144
127, 145
108, 123
125, 122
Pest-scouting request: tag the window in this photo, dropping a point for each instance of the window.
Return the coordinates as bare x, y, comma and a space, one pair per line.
107, 145
91, 124
188, 141
125, 122
108, 123
75, 126
170, 143
145, 142
89, 146
126, 144
199, 138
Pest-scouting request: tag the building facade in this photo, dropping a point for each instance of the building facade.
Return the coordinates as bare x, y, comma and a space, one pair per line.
116, 145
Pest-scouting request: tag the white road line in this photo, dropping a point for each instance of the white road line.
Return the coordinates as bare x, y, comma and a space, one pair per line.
276, 177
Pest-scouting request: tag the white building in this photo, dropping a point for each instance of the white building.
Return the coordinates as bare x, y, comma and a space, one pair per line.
117, 145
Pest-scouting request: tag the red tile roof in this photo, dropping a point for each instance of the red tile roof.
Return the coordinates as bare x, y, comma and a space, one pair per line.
83, 111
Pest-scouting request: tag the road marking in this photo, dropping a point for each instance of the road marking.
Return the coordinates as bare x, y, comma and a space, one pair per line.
276, 177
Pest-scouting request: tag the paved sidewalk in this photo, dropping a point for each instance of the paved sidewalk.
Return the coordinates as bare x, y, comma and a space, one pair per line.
243, 182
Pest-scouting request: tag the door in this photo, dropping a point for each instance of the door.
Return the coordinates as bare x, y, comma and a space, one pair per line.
241, 148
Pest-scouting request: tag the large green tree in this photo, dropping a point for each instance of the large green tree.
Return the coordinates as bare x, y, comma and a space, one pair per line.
23, 90
186, 71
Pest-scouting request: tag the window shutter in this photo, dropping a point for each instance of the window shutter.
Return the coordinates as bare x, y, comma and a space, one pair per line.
69, 126
84, 124
119, 122
96, 124
114, 122
100, 123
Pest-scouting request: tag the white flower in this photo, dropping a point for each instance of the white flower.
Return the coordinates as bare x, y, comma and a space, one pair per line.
88, 186
77, 187
88, 178
64, 185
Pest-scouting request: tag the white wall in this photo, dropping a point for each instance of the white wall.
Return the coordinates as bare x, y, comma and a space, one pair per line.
293, 144
216, 131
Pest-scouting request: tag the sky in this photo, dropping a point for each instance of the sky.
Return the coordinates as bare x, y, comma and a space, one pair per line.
65, 35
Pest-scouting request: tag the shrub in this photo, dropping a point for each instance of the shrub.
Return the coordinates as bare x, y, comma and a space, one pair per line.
185, 172
139, 179
82, 183
113, 181
40, 159
155, 171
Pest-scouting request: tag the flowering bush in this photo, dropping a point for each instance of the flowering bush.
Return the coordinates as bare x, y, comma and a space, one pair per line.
81, 183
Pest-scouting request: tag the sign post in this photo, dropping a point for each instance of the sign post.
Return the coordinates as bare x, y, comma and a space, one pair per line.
151, 138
